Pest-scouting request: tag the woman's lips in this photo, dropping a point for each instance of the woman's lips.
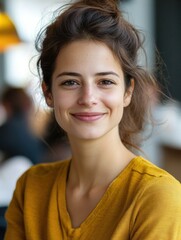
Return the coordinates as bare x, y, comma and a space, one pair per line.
88, 117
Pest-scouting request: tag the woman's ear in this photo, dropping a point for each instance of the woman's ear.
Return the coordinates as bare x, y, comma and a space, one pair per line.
128, 94
47, 94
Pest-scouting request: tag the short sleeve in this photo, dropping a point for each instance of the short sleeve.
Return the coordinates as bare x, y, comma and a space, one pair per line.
157, 213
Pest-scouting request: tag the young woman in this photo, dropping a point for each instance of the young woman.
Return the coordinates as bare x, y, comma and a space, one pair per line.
99, 93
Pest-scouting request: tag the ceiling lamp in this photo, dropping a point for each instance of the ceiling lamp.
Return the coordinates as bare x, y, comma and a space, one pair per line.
8, 33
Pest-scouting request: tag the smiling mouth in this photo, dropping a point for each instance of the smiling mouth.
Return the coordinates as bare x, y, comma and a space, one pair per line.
88, 117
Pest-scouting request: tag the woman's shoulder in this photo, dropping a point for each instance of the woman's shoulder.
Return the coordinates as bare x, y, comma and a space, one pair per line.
158, 197
46, 168
45, 171
148, 169
154, 178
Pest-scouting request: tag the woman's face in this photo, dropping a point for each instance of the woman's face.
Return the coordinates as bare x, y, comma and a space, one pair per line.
88, 91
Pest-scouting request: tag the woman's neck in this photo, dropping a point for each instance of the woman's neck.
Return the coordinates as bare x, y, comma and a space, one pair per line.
97, 162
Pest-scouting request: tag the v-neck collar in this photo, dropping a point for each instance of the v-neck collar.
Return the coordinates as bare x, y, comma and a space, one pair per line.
62, 205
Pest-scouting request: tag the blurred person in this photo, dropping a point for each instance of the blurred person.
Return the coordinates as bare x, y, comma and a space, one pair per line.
91, 78
16, 135
19, 147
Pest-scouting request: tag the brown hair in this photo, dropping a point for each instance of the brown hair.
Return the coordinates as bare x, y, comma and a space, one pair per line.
101, 20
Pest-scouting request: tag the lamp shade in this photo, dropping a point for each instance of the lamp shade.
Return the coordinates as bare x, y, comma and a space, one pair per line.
8, 33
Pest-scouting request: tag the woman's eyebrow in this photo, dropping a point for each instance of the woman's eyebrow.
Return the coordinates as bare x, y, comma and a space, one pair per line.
107, 73
75, 74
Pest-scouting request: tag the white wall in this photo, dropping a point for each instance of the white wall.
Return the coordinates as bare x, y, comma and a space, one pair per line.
141, 14
30, 16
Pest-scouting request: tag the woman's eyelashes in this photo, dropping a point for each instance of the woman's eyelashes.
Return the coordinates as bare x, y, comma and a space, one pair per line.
106, 82
69, 83
72, 83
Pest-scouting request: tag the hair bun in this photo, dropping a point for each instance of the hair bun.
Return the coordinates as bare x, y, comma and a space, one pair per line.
109, 5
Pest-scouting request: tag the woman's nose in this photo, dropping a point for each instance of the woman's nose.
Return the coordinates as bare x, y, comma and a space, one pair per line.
87, 96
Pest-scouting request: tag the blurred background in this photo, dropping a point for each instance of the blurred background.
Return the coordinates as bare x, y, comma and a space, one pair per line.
159, 21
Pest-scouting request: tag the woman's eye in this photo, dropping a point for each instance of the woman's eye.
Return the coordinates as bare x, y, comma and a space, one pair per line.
69, 83
106, 82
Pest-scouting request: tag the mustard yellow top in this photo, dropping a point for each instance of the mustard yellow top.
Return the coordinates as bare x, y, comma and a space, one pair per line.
143, 202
